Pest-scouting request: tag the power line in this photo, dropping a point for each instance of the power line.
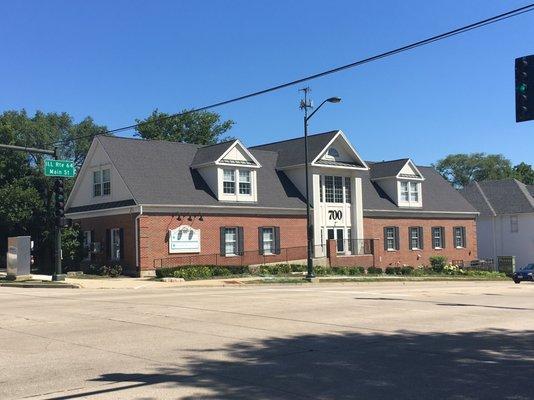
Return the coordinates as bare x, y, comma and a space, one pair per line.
442, 36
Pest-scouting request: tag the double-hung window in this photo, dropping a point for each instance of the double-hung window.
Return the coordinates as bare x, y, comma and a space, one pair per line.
244, 182
438, 237
459, 236
391, 239
405, 192
414, 192
269, 240
101, 182
230, 241
416, 238
228, 181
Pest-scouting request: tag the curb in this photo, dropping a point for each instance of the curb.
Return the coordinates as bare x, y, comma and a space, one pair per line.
35, 285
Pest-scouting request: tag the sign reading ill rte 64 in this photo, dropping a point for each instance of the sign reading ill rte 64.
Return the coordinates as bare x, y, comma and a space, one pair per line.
60, 168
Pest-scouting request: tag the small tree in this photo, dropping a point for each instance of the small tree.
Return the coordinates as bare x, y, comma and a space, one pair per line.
72, 247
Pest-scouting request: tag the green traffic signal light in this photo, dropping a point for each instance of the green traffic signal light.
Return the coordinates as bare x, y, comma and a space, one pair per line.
522, 88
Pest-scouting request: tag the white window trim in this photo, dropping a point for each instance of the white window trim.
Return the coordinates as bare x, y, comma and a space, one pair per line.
272, 241
101, 181
235, 241
409, 202
393, 238
461, 236
322, 189
414, 229
441, 232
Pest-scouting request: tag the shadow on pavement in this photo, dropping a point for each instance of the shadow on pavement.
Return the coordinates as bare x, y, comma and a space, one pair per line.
496, 364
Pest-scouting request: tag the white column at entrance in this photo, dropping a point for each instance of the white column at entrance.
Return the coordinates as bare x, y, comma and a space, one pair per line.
357, 214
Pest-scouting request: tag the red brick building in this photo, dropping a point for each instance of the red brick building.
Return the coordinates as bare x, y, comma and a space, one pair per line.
150, 204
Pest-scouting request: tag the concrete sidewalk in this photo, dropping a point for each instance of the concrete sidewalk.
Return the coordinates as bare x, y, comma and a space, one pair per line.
147, 283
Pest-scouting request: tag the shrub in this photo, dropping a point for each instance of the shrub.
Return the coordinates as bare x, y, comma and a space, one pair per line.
340, 271
407, 270
374, 271
391, 270
438, 263
192, 272
112, 270
277, 269
298, 268
356, 271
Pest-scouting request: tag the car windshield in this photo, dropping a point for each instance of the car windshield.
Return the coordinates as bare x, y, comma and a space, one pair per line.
529, 267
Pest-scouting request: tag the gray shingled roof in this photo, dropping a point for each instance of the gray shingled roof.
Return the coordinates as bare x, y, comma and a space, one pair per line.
158, 172
211, 153
438, 195
291, 152
386, 169
506, 196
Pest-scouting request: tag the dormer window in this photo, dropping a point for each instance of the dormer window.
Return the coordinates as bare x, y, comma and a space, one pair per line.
229, 181
244, 182
410, 194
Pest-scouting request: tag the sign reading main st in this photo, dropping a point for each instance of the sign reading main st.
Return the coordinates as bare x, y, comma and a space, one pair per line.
61, 168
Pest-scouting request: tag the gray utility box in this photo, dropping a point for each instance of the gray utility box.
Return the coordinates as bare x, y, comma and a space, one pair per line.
18, 256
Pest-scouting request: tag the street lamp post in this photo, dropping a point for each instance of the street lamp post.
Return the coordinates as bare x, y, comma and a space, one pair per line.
305, 104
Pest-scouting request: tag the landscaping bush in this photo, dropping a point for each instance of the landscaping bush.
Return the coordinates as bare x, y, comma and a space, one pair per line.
407, 270
192, 272
299, 268
374, 271
112, 270
277, 269
437, 263
391, 270
356, 271
340, 270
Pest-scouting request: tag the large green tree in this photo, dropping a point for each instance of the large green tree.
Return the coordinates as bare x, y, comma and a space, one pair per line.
201, 127
461, 169
524, 173
26, 195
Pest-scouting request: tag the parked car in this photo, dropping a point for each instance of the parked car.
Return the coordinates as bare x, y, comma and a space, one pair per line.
524, 274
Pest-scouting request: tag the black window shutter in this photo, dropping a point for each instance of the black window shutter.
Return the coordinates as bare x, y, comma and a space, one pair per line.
277, 240
240, 240
108, 243
260, 240
121, 244
222, 241
464, 239
410, 247
385, 238
442, 237
397, 238
421, 238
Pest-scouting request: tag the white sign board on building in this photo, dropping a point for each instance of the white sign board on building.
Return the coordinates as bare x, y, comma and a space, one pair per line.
184, 239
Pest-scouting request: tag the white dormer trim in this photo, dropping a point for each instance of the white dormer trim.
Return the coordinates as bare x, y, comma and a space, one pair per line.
244, 150
350, 148
414, 167
409, 161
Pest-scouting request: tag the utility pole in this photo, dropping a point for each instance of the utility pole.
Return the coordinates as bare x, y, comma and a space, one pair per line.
57, 276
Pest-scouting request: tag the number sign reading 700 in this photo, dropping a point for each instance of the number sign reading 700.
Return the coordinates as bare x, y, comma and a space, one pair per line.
335, 215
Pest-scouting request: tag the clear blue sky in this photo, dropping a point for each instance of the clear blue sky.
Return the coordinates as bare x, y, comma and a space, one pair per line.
118, 60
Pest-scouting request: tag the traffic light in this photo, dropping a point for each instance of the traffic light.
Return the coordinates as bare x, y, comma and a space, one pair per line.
59, 191
524, 88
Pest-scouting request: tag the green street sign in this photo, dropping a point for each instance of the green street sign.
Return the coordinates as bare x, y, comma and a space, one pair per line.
60, 168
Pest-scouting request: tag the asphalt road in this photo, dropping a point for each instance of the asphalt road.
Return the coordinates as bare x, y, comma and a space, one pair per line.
418, 340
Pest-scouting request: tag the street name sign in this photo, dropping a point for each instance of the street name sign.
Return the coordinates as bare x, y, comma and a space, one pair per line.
61, 168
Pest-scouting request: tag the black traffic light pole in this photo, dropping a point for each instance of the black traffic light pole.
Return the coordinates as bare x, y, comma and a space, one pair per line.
57, 276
